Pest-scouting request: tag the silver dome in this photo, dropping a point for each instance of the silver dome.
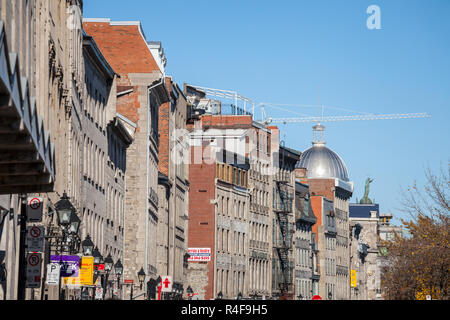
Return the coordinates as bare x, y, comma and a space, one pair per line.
322, 162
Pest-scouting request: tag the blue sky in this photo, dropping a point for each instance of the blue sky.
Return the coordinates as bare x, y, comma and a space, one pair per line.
286, 51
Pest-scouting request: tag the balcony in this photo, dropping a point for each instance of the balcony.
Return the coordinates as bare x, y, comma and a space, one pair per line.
27, 156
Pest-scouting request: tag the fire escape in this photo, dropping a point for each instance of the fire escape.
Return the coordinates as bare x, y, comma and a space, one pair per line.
283, 243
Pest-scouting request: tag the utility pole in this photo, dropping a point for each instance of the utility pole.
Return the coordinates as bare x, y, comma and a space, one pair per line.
21, 293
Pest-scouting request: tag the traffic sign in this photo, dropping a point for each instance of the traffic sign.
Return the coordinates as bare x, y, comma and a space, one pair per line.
34, 209
98, 293
53, 273
166, 283
33, 279
35, 238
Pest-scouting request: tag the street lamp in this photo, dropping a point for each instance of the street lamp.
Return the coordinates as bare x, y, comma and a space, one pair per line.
141, 277
64, 209
108, 266
87, 246
108, 263
219, 296
118, 268
97, 256
74, 224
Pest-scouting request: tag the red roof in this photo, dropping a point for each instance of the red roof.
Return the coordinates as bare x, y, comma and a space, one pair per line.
123, 45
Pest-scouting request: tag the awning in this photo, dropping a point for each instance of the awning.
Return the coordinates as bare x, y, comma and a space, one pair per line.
26, 153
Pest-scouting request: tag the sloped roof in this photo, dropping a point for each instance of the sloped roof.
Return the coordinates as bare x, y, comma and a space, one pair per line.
123, 43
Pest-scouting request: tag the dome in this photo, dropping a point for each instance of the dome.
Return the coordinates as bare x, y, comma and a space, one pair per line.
322, 162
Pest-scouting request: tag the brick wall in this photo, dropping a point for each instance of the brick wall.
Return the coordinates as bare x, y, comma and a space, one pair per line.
201, 233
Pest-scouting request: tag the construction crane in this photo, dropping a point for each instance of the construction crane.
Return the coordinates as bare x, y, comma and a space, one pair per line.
247, 105
322, 118
347, 118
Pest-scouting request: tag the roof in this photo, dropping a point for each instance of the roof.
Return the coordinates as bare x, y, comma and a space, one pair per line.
90, 46
123, 43
322, 162
357, 210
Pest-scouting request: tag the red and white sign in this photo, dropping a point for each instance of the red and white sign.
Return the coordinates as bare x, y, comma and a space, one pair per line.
34, 262
128, 281
35, 239
34, 209
166, 283
199, 254
98, 293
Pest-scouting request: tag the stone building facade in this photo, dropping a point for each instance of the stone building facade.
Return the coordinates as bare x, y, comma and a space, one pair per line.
48, 41
232, 229
283, 222
141, 91
261, 146
173, 189
306, 282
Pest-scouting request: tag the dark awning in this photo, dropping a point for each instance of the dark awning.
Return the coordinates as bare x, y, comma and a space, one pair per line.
26, 153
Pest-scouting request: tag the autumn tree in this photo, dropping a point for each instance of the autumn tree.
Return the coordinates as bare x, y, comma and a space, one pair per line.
417, 264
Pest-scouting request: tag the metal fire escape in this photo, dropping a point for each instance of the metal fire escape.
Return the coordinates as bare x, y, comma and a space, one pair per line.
283, 210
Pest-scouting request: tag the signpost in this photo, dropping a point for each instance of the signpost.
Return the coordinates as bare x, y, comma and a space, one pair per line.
53, 273
35, 239
34, 209
34, 262
166, 283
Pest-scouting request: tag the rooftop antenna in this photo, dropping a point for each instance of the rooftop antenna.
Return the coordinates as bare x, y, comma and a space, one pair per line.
319, 130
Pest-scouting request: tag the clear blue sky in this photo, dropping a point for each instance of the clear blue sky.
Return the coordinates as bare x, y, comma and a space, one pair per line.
284, 51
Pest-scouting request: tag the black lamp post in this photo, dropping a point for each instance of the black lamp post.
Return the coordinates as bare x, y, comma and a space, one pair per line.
141, 277
87, 246
220, 295
74, 224
108, 267
239, 296
118, 269
64, 209
108, 263
97, 256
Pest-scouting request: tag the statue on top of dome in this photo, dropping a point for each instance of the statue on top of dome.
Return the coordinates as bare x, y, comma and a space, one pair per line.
365, 199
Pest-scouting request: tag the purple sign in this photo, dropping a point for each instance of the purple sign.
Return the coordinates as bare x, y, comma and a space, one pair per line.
69, 265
